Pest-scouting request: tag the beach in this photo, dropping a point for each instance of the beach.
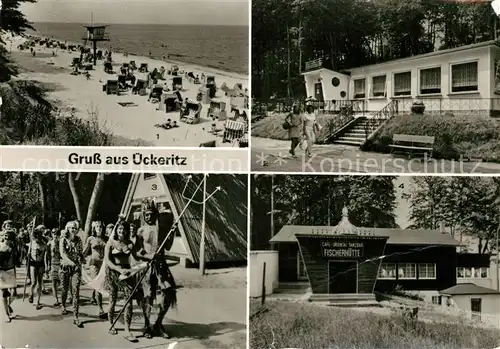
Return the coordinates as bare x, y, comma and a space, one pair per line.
135, 122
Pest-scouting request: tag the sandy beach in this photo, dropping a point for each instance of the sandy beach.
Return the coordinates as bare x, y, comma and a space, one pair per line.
132, 125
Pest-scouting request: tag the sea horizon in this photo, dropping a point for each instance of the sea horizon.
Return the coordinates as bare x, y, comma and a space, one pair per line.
223, 47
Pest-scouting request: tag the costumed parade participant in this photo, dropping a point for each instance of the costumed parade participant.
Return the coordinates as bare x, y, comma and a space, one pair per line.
117, 277
37, 258
158, 277
94, 247
9, 259
54, 264
71, 249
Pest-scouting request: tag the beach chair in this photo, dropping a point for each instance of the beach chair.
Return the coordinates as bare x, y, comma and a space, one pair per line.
88, 67
99, 55
217, 110
205, 95
75, 61
143, 68
122, 82
156, 93
171, 102
210, 80
233, 130
108, 68
177, 83
112, 87
140, 85
210, 84
190, 114
133, 66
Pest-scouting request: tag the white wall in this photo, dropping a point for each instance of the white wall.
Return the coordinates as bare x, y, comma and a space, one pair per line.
445, 61
490, 303
331, 92
257, 260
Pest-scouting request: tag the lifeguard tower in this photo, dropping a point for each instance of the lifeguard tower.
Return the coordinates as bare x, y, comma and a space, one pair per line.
96, 33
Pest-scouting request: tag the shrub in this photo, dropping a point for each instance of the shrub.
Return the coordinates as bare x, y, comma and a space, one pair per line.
470, 136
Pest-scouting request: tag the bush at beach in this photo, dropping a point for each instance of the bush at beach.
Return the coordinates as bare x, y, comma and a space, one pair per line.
469, 136
309, 326
28, 118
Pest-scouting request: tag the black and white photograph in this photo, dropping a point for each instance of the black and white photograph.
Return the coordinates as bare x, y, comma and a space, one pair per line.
132, 73
379, 86
137, 260
350, 261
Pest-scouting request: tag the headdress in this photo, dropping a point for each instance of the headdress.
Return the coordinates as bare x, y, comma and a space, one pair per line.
149, 205
5, 223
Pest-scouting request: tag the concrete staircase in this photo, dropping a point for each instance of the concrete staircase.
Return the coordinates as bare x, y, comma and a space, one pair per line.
346, 299
358, 131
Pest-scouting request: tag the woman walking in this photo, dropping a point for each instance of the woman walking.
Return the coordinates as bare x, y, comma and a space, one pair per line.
94, 247
71, 249
294, 121
8, 261
116, 275
310, 127
54, 264
37, 259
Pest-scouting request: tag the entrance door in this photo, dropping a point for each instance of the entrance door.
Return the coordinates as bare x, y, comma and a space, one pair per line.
318, 91
475, 307
343, 277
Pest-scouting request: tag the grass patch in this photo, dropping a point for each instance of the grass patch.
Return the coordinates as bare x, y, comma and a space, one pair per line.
467, 136
309, 326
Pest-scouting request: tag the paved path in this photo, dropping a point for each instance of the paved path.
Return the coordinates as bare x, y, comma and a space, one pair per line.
272, 155
205, 318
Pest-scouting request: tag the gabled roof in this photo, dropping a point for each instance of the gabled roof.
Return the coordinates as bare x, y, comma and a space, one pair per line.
468, 289
225, 218
396, 236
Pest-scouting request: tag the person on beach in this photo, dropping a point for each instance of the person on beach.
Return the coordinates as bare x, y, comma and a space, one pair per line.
294, 120
54, 264
9, 259
310, 127
71, 249
158, 276
116, 275
94, 247
37, 258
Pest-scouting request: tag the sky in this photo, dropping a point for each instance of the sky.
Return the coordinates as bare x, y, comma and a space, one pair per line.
175, 12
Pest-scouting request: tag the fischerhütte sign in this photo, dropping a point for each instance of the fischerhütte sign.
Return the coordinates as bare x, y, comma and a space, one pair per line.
341, 249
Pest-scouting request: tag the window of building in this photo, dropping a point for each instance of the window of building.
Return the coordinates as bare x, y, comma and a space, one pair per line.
437, 300
359, 88
430, 81
464, 77
476, 273
427, 271
387, 271
402, 84
407, 271
301, 267
378, 86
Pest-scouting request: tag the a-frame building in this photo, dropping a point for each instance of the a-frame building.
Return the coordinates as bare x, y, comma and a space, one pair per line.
225, 219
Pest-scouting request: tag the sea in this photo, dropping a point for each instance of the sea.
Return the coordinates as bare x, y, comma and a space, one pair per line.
219, 47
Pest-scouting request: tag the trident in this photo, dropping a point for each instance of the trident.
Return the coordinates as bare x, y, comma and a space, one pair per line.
171, 231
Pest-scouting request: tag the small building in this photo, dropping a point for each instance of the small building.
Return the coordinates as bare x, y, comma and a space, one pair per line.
476, 302
225, 220
461, 79
346, 259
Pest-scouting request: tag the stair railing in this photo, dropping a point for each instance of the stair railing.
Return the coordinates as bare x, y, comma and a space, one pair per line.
384, 114
344, 116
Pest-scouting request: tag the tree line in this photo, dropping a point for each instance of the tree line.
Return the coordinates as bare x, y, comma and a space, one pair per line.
351, 33
461, 206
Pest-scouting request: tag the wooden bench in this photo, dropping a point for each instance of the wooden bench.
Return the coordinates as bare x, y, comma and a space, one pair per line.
413, 144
